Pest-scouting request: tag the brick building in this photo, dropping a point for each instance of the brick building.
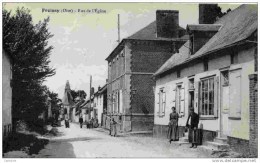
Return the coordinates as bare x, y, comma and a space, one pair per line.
130, 97
210, 73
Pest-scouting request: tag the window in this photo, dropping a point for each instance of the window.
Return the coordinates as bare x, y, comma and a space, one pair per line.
178, 73
118, 102
206, 65
225, 78
191, 83
162, 102
234, 56
208, 96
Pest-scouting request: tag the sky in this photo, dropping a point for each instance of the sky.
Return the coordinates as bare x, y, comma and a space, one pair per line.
83, 39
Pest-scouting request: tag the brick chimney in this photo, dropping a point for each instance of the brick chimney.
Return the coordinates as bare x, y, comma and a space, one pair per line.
167, 23
207, 13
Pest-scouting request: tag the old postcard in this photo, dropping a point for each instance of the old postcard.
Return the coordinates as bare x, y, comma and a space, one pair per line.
129, 80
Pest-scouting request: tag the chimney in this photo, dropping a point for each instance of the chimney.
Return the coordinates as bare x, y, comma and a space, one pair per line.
207, 13
167, 23
92, 90
99, 88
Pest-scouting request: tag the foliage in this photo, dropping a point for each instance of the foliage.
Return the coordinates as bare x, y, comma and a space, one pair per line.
212, 13
27, 44
78, 93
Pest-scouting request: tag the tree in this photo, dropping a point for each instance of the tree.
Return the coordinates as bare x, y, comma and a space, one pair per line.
210, 13
78, 93
28, 46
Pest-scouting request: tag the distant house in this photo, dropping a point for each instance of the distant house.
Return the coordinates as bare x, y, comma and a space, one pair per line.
100, 101
131, 66
7, 94
211, 74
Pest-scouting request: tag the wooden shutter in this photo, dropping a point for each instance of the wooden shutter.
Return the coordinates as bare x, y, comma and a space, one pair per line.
158, 103
216, 86
182, 109
120, 101
174, 97
163, 103
197, 96
235, 93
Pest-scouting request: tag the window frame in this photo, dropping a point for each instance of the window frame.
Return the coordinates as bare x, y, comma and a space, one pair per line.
215, 94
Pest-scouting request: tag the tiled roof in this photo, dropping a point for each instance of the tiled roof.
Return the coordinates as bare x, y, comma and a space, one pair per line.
149, 33
181, 56
237, 25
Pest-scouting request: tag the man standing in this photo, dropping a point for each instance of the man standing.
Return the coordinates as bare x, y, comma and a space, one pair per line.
193, 126
81, 121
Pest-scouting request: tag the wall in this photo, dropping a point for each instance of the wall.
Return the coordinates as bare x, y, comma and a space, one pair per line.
238, 128
6, 94
253, 136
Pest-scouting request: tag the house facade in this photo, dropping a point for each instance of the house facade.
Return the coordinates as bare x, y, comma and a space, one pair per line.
131, 66
6, 94
211, 74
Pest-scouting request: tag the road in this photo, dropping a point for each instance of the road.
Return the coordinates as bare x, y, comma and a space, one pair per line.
75, 142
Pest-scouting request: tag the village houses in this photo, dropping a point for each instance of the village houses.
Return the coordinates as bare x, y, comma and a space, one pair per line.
130, 97
210, 73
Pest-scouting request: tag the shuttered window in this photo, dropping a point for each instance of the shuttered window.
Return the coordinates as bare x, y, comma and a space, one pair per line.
161, 102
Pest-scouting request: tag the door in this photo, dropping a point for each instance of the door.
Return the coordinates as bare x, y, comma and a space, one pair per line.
224, 104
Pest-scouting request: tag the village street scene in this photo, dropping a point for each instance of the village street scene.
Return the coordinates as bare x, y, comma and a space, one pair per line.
130, 80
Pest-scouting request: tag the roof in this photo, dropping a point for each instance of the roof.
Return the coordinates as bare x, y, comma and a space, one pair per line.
237, 26
148, 33
203, 27
181, 56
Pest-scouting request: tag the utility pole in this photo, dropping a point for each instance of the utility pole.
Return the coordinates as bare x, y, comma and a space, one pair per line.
90, 96
118, 27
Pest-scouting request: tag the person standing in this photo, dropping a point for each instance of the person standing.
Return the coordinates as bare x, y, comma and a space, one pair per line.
173, 134
193, 126
67, 124
81, 121
114, 128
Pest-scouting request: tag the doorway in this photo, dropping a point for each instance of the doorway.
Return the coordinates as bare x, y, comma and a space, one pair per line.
224, 89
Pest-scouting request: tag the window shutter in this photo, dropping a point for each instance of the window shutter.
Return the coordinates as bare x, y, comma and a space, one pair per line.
182, 109
163, 103
216, 85
121, 101
198, 96
174, 97
196, 100
158, 103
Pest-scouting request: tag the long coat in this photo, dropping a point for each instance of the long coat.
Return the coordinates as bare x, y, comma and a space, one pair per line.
173, 127
194, 135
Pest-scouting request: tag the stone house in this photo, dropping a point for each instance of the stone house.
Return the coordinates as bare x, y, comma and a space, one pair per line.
210, 73
130, 97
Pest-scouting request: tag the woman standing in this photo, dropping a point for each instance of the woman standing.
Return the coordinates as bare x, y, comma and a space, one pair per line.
173, 134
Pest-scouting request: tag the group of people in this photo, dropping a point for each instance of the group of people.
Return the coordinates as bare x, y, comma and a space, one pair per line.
89, 124
191, 124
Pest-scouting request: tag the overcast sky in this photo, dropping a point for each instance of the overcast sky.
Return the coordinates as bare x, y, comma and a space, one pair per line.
82, 41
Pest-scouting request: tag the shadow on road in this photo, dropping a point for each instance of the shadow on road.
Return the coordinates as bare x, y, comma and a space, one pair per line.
24, 142
57, 150
74, 139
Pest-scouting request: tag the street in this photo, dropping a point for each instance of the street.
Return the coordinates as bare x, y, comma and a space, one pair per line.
75, 142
